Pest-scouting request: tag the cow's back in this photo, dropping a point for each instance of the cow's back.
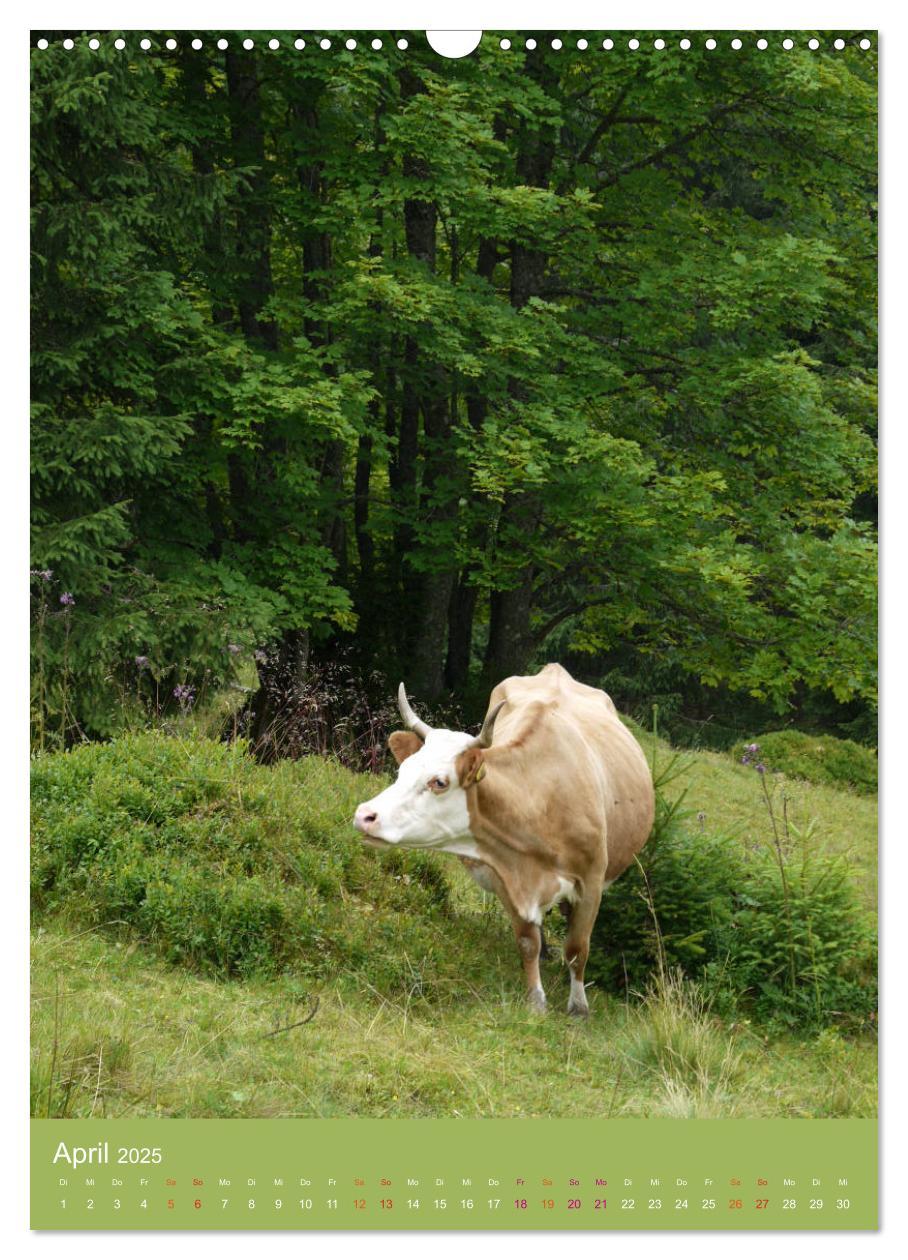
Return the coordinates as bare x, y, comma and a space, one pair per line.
600, 771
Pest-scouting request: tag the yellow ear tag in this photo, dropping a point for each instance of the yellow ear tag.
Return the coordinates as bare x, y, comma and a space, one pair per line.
480, 773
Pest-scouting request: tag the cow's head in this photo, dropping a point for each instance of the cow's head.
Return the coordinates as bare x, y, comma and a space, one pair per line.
427, 804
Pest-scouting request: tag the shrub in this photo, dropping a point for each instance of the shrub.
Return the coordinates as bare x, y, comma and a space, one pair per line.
777, 933
821, 759
229, 866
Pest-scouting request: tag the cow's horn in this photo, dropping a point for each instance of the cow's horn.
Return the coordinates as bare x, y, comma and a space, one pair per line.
484, 738
414, 723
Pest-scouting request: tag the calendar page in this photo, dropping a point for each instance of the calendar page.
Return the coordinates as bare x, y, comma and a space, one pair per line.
453, 596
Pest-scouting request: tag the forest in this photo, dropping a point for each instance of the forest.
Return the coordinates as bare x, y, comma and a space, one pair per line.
354, 365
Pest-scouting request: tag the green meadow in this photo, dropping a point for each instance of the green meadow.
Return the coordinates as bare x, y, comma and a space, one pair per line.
210, 939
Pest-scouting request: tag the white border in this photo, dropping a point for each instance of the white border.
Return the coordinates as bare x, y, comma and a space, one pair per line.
704, 15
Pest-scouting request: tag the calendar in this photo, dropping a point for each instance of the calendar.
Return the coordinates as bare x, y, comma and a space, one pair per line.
438, 1175
453, 617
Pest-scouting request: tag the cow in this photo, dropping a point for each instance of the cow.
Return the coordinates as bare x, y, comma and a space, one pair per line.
549, 803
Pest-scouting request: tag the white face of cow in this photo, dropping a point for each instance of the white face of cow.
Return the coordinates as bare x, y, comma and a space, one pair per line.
426, 807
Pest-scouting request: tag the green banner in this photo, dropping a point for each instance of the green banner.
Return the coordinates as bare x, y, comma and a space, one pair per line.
450, 1174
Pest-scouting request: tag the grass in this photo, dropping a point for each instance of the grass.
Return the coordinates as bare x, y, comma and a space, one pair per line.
119, 1031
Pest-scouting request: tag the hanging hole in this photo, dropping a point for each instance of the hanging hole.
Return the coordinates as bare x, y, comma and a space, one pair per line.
451, 44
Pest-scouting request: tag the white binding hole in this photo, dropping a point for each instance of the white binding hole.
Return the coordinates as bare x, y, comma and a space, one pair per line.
376, 44
865, 44
710, 43
531, 44
67, 43
685, 44
324, 43
299, 43
274, 44
634, 44
222, 44
788, 43
94, 44
145, 43
659, 43
403, 45
249, 44
556, 44
42, 44
736, 44
838, 43
196, 43
608, 44
351, 44
813, 43
171, 44
504, 44
452, 44
762, 43
582, 44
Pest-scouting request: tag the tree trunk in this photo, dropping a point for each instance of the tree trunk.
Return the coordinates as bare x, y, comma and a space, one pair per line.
253, 215
509, 643
426, 392
510, 611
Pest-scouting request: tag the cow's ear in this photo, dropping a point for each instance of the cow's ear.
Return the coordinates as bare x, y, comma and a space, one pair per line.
471, 767
403, 744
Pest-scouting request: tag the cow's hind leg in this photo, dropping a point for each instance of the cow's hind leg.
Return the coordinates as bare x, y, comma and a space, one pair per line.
577, 948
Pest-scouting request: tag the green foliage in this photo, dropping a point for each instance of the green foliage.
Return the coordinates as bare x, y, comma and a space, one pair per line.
532, 343
226, 866
776, 934
821, 759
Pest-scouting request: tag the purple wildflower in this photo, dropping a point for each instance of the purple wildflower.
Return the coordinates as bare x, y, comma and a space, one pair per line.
760, 768
67, 599
260, 656
752, 748
44, 574
141, 661
185, 694
233, 648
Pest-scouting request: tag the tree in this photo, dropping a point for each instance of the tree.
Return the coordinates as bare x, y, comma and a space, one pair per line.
443, 364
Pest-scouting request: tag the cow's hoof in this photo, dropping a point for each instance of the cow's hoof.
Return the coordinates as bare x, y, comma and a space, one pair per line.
580, 1012
536, 1001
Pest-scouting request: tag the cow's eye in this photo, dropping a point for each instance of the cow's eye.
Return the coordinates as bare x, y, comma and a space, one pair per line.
438, 784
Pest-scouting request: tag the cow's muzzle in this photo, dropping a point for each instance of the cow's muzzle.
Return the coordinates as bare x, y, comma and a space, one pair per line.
366, 820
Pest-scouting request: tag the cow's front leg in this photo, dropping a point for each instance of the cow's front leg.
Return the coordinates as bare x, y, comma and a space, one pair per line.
529, 942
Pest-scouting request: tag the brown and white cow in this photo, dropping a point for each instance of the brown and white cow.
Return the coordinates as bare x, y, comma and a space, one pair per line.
549, 803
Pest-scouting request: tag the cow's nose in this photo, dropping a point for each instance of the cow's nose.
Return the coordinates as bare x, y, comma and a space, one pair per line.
365, 818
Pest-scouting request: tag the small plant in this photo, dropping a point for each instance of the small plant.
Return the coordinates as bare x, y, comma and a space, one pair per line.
775, 930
